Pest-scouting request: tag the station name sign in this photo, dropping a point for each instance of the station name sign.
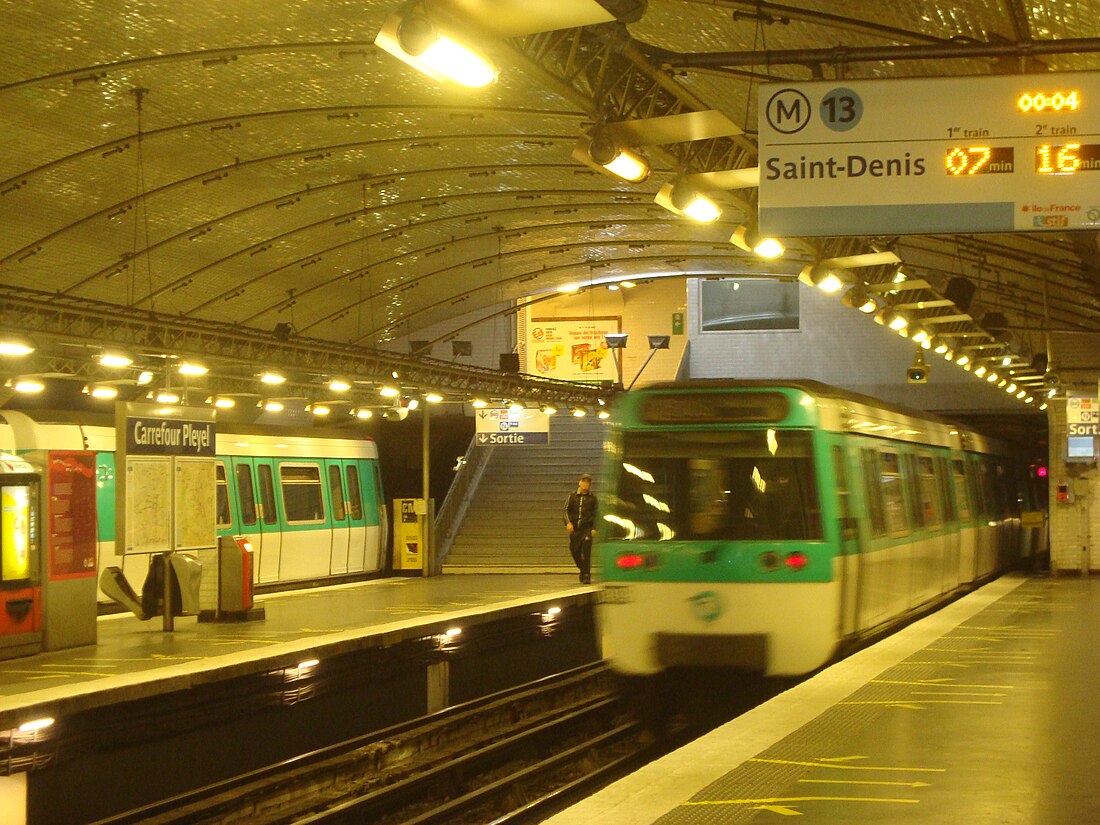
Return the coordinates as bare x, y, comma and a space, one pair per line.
166, 436
953, 155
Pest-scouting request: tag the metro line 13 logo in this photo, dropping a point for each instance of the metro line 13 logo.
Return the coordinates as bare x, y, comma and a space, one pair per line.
789, 111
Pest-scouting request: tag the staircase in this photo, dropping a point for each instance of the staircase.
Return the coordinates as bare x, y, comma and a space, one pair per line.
515, 520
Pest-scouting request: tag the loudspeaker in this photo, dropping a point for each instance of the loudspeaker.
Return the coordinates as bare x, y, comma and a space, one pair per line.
282, 331
509, 362
960, 292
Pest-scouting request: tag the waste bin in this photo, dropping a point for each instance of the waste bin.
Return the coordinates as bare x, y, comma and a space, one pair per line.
234, 574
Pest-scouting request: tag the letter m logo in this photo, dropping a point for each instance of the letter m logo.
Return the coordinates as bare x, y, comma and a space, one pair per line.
788, 111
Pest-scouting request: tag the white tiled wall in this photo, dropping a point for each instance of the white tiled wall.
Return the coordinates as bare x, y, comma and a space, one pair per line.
838, 346
1073, 527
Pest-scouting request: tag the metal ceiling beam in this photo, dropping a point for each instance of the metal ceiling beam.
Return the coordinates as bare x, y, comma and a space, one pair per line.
840, 55
57, 317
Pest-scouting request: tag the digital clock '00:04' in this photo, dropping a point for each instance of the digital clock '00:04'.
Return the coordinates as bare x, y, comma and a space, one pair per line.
1049, 101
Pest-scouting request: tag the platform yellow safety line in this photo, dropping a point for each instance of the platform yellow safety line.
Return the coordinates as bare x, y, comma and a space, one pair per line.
838, 763
952, 638
866, 782
944, 693
781, 804
38, 674
944, 663
1007, 627
939, 682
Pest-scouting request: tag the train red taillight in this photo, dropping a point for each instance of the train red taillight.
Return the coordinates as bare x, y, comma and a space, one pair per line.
796, 561
633, 561
629, 561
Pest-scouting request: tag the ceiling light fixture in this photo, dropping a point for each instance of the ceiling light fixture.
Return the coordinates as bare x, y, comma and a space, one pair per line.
272, 378
27, 385
859, 298
603, 151
114, 359
191, 368
748, 238
415, 40
339, 385
103, 392
12, 343
682, 199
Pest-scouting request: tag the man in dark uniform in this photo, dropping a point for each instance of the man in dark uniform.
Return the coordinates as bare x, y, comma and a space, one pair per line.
580, 523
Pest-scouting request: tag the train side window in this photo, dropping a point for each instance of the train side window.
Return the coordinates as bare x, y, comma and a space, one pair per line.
303, 502
892, 496
267, 493
246, 495
930, 507
336, 493
355, 498
944, 478
844, 494
962, 494
224, 514
874, 492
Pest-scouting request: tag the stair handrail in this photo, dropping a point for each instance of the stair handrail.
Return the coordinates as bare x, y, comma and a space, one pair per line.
451, 514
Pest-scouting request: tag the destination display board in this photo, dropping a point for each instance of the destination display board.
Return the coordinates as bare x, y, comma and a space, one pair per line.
953, 155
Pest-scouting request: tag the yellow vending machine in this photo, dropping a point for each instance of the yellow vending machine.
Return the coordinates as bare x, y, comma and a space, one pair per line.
410, 541
20, 575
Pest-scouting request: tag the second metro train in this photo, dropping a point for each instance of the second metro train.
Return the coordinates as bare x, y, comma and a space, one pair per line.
312, 507
761, 526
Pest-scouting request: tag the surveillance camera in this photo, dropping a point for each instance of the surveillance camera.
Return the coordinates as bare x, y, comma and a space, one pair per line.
918, 373
396, 414
1051, 380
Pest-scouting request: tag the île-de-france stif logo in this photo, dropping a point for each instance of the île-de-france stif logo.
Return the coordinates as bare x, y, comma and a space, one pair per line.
706, 606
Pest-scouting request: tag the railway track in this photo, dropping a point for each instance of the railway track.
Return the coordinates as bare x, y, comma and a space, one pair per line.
501, 759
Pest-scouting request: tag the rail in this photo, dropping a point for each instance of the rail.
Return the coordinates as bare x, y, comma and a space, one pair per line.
406, 764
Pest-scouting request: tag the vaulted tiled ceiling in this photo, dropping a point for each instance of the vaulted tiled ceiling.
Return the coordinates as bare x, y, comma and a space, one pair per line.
261, 162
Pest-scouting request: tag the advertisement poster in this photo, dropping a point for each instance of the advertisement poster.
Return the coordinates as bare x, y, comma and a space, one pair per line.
571, 349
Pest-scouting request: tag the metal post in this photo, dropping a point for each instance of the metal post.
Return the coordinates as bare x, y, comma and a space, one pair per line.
166, 567
426, 492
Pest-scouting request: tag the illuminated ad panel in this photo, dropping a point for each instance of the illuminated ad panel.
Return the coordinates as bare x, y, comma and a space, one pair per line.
950, 155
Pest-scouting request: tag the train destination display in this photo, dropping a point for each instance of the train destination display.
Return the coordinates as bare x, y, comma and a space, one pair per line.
958, 155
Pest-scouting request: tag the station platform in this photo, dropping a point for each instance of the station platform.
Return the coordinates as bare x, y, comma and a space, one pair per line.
146, 714
978, 713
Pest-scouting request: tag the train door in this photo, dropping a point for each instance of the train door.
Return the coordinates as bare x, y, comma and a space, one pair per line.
357, 523
378, 544
259, 513
338, 513
851, 542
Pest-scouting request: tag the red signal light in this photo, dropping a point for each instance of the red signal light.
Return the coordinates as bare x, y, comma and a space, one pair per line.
1041, 471
628, 561
796, 560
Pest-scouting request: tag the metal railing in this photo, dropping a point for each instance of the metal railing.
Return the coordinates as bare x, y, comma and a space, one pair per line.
453, 510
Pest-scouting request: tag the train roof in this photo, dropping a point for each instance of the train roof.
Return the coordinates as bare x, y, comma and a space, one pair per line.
847, 401
19, 431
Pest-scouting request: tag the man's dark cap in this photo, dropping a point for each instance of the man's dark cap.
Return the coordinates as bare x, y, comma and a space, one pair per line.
586, 477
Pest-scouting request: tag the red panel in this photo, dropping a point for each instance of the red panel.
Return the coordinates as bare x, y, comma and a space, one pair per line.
25, 612
71, 521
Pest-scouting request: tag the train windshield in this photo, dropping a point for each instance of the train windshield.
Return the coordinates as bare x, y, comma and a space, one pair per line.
732, 485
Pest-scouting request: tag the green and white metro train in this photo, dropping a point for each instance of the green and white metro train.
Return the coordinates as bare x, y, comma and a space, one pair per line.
761, 526
312, 507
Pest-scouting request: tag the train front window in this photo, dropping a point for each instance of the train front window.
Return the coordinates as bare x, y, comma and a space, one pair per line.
734, 485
